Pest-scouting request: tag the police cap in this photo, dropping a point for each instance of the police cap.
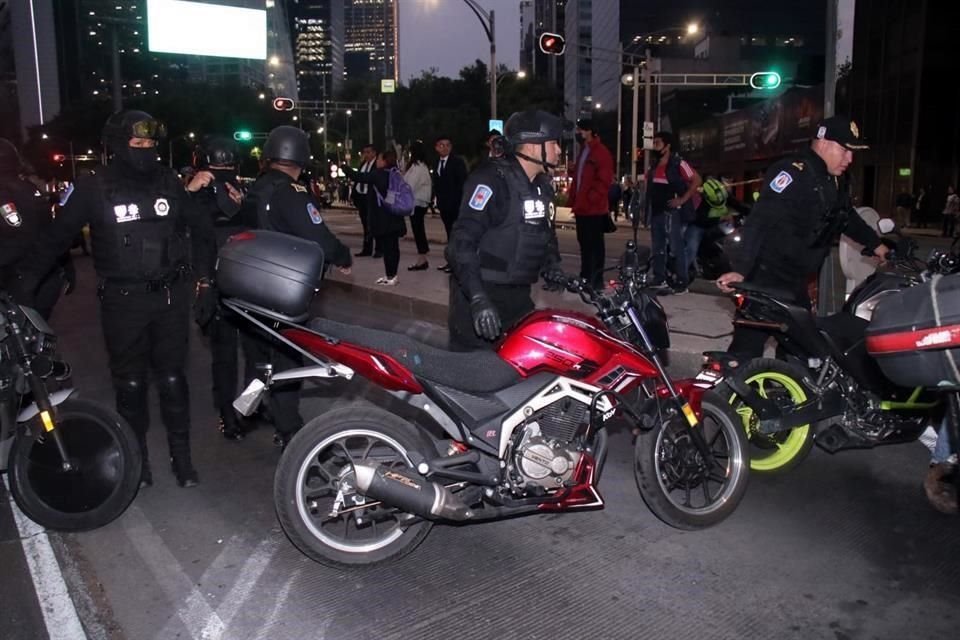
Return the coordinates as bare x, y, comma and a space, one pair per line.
287, 143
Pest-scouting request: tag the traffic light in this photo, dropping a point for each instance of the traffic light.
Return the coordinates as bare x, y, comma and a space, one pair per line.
765, 80
552, 43
283, 104
243, 135
59, 157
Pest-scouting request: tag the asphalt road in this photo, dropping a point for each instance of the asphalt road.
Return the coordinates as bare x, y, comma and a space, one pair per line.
844, 547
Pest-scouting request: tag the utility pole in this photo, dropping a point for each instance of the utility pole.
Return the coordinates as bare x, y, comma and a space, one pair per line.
647, 109
619, 113
369, 120
636, 116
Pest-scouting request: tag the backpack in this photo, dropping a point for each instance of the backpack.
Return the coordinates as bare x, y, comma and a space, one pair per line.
399, 199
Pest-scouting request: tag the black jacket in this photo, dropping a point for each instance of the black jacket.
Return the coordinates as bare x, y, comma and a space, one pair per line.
448, 186
801, 212
24, 218
381, 222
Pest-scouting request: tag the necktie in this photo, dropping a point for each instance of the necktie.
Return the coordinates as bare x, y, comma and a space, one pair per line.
443, 165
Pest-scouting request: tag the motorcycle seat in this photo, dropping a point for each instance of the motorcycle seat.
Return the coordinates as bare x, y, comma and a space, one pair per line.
473, 371
783, 295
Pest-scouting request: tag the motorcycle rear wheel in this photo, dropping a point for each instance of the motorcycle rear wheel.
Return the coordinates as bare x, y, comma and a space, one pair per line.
106, 474
672, 474
316, 471
776, 452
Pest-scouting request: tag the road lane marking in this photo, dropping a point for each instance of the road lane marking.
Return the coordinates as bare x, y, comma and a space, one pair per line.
59, 614
249, 574
169, 573
266, 629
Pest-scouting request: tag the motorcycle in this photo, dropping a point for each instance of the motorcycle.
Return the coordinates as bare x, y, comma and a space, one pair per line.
824, 388
72, 464
518, 430
713, 254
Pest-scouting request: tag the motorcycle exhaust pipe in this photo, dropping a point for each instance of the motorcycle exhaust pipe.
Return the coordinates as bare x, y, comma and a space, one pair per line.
410, 492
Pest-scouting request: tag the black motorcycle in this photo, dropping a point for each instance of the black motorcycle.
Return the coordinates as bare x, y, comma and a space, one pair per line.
72, 464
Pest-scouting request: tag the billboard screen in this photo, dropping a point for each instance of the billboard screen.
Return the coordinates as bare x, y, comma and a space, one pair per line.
202, 29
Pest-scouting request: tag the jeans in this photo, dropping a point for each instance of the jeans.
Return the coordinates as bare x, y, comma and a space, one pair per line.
692, 238
667, 230
941, 452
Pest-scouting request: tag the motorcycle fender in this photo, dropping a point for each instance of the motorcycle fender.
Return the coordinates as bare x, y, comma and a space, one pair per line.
57, 397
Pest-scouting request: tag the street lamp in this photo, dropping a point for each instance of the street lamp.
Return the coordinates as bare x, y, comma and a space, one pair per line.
349, 113
519, 75
487, 21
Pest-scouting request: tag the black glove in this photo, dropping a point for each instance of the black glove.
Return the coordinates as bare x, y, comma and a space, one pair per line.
205, 304
486, 320
554, 280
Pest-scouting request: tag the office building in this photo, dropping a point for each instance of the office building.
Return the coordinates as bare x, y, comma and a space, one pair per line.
318, 32
371, 50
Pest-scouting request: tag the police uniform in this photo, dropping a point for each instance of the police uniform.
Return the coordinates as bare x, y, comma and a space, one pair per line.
279, 203
501, 242
139, 212
224, 329
801, 212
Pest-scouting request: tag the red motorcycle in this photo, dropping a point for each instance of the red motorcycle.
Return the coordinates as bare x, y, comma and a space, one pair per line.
484, 435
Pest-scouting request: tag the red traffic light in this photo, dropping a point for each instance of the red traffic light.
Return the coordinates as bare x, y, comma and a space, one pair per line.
552, 43
59, 157
283, 104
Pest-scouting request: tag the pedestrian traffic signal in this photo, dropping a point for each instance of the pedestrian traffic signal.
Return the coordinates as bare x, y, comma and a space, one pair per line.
243, 135
765, 80
552, 43
283, 104
59, 157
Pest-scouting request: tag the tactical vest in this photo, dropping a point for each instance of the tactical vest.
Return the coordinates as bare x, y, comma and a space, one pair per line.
514, 252
140, 233
260, 195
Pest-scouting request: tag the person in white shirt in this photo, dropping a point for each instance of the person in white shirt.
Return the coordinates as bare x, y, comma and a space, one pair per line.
418, 177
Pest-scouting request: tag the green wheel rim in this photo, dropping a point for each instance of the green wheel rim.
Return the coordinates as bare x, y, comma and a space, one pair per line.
795, 440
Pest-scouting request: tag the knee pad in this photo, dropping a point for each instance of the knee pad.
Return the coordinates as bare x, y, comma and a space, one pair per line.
131, 393
172, 388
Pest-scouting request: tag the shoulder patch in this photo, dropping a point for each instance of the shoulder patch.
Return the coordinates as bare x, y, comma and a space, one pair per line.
299, 188
799, 166
481, 195
781, 182
314, 214
10, 214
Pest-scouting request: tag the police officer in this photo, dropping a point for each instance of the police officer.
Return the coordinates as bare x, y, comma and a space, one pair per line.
504, 239
280, 203
138, 212
25, 214
216, 192
802, 209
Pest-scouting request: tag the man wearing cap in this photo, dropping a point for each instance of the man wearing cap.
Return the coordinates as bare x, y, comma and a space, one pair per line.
803, 208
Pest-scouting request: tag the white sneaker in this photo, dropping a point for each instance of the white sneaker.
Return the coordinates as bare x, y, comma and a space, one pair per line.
388, 282
929, 438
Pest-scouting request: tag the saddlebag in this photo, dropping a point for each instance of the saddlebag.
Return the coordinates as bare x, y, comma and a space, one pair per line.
272, 270
915, 336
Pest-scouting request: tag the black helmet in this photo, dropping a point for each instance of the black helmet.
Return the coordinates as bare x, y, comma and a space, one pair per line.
123, 125
532, 127
10, 161
216, 150
287, 143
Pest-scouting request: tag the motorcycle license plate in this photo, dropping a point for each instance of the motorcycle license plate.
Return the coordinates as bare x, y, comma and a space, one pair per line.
248, 401
707, 376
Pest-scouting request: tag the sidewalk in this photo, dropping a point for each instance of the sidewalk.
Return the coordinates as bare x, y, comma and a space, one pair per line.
698, 322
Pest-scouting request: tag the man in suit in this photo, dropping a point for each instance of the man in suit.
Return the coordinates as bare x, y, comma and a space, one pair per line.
359, 193
449, 175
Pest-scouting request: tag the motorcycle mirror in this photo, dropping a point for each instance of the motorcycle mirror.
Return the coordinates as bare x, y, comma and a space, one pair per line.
886, 225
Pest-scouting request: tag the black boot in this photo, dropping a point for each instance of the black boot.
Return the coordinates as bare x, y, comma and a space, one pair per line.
230, 426
183, 469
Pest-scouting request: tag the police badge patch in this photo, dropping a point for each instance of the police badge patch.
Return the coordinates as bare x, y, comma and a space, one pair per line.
10, 214
481, 195
781, 182
314, 214
161, 207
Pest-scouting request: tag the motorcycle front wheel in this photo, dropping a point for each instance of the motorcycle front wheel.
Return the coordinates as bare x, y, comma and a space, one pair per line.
772, 453
677, 483
315, 495
103, 481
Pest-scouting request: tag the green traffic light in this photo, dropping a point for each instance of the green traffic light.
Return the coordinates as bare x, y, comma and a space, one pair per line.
765, 80
243, 135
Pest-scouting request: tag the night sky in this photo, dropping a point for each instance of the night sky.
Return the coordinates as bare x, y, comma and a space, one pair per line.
447, 35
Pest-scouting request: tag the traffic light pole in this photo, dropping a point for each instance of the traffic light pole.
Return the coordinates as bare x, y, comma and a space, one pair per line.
647, 93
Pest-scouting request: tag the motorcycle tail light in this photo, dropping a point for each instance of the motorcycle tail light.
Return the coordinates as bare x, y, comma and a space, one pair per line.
739, 300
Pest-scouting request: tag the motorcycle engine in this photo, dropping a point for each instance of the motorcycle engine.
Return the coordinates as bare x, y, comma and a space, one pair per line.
543, 462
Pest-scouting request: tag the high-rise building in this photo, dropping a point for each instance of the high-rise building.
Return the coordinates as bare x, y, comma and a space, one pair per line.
10, 123
592, 70
371, 40
318, 29
536, 17
33, 40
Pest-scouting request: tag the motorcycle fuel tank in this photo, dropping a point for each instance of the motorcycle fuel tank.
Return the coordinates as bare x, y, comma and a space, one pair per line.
573, 345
